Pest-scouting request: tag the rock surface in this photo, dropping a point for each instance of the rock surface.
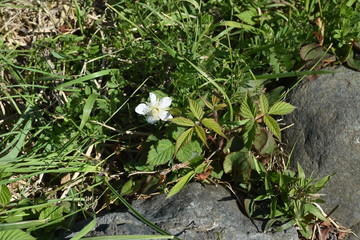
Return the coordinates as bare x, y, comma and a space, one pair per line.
326, 134
197, 212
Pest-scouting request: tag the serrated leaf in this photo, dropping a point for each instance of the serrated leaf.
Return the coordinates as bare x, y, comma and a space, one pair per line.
51, 213
215, 100
184, 138
181, 184
220, 106
249, 134
264, 103
5, 195
196, 109
201, 134
247, 109
15, 234
212, 125
273, 126
160, 153
189, 151
281, 108
207, 103
185, 122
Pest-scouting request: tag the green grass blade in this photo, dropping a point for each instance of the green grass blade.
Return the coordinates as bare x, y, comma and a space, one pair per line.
21, 225
90, 226
87, 109
85, 78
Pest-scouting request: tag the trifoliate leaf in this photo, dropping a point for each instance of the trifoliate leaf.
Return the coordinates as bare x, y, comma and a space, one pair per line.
161, 152
212, 125
201, 134
264, 103
281, 108
273, 126
184, 138
183, 121
196, 109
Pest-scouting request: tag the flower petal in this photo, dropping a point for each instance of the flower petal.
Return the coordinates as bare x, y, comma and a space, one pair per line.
152, 119
165, 102
165, 115
153, 99
142, 109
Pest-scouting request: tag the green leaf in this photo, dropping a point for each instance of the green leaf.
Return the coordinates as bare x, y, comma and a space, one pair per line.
212, 125
248, 16
300, 173
5, 195
189, 151
243, 26
85, 78
310, 208
201, 134
127, 188
320, 184
185, 122
196, 109
52, 213
87, 109
281, 108
273, 126
311, 51
248, 109
184, 138
181, 184
249, 134
264, 103
21, 224
207, 103
15, 234
230, 159
160, 152
286, 225
86, 229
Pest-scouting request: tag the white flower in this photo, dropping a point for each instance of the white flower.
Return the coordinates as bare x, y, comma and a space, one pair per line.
155, 109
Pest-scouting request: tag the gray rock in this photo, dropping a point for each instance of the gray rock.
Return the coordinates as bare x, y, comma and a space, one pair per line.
197, 212
326, 134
